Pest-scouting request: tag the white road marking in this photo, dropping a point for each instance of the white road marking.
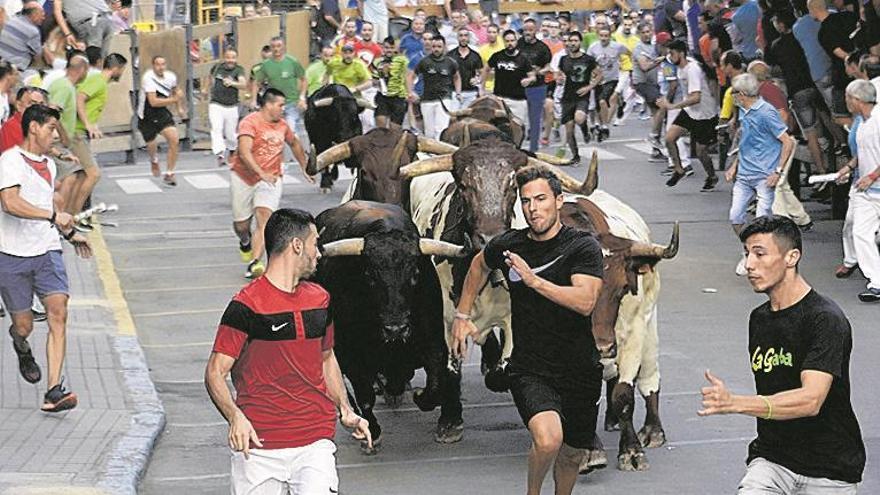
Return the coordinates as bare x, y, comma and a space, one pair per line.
138, 186
641, 147
176, 171
289, 179
587, 152
207, 181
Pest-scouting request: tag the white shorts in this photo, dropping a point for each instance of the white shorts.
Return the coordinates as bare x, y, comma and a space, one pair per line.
245, 198
622, 82
308, 470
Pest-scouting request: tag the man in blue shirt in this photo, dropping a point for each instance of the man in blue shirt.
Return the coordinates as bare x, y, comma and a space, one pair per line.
764, 148
745, 18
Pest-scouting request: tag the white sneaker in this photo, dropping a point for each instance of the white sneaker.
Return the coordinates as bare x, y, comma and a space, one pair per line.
741, 267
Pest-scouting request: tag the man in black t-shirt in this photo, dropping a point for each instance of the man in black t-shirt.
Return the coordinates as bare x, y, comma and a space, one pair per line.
554, 274
800, 343
441, 77
328, 21
228, 77
580, 73
513, 72
538, 54
834, 38
469, 66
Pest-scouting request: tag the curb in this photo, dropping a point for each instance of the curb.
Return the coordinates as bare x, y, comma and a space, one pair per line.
127, 462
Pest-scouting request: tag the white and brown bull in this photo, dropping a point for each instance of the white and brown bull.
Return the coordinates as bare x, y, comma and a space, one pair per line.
469, 197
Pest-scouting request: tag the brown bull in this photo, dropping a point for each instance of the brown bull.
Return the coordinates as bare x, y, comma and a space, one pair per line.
492, 110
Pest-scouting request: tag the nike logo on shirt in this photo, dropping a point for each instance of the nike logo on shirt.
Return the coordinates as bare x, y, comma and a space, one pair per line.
514, 276
275, 328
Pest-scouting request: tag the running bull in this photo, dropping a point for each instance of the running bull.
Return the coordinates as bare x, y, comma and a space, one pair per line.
492, 110
474, 200
387, 308
332, 117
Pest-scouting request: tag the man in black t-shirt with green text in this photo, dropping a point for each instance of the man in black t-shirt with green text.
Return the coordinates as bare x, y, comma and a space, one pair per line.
809, 441
554, 274
580, 73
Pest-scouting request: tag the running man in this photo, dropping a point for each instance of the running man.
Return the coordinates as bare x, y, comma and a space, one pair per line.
30, 251
579, 73
513, 72
441, 78
228, 78
607, 53
159, 92
256, 183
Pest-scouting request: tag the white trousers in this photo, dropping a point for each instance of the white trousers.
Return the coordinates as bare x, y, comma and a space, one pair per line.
860, 236
435, 118
367, 116
224, 122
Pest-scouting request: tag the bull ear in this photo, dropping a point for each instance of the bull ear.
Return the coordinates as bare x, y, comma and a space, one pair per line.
343, 247
323, 102
433, 247
428, 145
334, 154
441, 163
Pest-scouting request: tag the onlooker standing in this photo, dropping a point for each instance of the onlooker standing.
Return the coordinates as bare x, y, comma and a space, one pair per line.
228, 77
864, 197
284, 73
391, 98
441, 78
349, 35
699, 115
159, 91
765, 148
834, 38
282, 442
30, 251
806, 31
513, 73
328, 22
256, 184
376, 13
745, 17
87, 21
366, 48
8, 80
470, 65
800, 344
92, 94
539, 56
349, 71
20, 41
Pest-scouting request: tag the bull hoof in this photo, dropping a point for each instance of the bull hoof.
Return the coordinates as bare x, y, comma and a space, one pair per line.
449, 432
652, 436
611, 423
425, 402
377, 445
632, 460
595, 459
393, 401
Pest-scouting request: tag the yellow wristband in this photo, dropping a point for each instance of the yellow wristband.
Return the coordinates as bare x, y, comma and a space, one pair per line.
769, 407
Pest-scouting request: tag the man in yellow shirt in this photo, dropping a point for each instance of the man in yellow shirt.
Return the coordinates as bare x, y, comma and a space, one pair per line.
493, 45
348, 71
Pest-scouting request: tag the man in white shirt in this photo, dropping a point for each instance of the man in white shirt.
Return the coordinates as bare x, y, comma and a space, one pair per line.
30, 251
159, 91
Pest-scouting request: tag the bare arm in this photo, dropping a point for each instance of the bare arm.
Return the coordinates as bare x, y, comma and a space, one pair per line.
462, 326
241, 432
157, 101
690, 99
13, 204
91, 127
58, 11
803, 402
456, 82
336, 391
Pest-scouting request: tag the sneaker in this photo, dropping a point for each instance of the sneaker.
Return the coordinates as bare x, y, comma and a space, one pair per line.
843, 271
255, 269
688, 171
709, 185
657, 157
674, 178
221, 160
58, 399
870, 295
246, 253
39, 315
741, 267
169, 179
667, 171
655, 143
27, 365
576, 159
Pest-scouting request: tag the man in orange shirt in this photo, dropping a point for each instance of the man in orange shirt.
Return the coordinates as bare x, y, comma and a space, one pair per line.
256, 183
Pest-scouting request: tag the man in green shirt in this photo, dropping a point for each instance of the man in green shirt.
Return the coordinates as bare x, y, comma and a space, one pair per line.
91, 99
284, 73
62, 94
316, 70
391, 98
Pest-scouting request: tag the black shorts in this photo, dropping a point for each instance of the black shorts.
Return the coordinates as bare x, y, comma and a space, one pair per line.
702, 131
390, 106
649, 91
604, 91
569, 107
551, 88
578, 406
155, 122
806, 104
838, 100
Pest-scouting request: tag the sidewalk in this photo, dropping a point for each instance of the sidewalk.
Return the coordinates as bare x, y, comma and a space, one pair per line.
103, 445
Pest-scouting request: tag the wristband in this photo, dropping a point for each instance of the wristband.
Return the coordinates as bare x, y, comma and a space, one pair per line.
769, 408
52, 218
462, 316
68, 236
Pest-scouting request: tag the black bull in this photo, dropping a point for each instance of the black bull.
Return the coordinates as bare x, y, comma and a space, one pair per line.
331, 117
387, 307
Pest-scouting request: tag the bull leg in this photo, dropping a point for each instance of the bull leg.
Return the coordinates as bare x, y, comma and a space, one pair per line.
491, 353
596, 457
450, 426
395, 386
362, 383
652, 435
612, 422
630, 456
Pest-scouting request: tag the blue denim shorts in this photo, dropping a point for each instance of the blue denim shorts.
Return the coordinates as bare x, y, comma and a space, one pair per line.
22, 277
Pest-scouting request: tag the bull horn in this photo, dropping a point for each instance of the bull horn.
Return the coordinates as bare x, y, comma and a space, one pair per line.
655, 250
428, 145
440, 163
363, 103
311, 167
466, 139
433, 247
569, 183
592, 180
323, 102
398, 149
464, 112
334, 154
343, 247
551, 159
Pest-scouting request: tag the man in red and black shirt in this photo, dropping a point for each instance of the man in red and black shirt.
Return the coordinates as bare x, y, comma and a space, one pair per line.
276, 338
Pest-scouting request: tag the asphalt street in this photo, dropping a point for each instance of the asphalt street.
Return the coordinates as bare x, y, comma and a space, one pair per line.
177, 260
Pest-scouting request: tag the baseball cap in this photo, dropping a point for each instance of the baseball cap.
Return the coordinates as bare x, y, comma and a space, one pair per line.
348, 47
662, 37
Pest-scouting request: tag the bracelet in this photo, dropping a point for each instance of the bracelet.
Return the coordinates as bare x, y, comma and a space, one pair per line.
68, 236
52, 218
462, 316
769, 408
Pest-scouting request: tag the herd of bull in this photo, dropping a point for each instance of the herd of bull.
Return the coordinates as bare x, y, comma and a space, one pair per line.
396, 251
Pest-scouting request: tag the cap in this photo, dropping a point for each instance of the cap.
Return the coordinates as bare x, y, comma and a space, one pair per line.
348, 47
662, 37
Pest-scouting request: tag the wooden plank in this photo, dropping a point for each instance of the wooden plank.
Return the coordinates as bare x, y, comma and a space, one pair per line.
297, 32
118, 110
253, 33
203, 31
204, 69
514, 6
